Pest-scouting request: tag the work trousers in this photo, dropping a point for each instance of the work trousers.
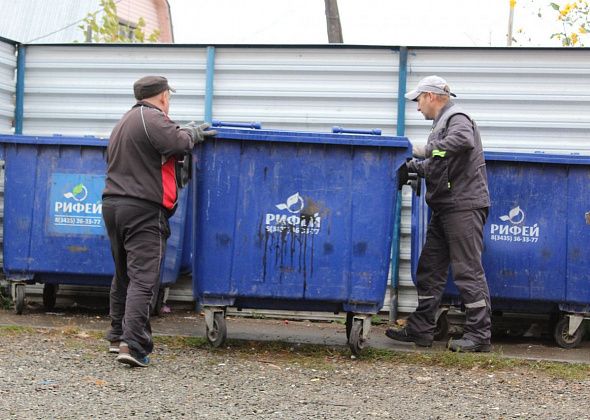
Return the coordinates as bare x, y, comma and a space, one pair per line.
455, 239
137, 230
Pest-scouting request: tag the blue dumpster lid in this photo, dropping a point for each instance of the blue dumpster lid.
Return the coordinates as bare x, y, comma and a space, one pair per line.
538, 157
311, 137
54, 140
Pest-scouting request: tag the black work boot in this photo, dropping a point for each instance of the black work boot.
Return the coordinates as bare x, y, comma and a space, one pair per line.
468, 346
402, 334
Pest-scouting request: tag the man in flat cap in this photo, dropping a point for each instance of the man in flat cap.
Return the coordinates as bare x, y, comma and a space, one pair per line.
139, 197
452, 162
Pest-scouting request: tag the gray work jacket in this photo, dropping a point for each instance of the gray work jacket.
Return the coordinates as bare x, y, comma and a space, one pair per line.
454, 168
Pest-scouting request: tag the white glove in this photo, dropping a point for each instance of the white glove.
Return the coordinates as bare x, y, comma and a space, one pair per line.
419, 151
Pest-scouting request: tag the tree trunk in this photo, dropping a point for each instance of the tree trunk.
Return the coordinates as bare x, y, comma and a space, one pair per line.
333, 22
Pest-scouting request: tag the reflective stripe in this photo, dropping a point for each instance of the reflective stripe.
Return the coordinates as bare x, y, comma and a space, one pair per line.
425, 297
478, 304
438, 153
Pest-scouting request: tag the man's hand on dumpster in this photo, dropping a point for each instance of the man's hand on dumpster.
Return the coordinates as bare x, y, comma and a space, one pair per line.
198, 132
419, 151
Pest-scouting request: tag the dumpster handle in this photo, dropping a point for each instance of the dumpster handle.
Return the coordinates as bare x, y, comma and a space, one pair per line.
255, 125
374, 131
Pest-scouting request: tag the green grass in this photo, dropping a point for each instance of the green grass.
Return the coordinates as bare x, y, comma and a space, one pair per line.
327, 358
487, 362
15, 330
5, 300
179, 342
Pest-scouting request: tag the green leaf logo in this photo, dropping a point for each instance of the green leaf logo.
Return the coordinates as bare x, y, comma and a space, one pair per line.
79, 193
78, 189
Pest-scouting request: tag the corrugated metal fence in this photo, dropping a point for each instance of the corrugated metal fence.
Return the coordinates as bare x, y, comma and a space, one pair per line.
7, 85
523, 99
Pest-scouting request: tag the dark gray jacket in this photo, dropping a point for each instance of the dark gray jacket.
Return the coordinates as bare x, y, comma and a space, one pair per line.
141, 156
454, 168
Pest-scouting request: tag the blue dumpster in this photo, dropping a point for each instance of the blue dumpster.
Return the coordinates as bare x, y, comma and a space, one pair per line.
53, 228
295, 221
536, 254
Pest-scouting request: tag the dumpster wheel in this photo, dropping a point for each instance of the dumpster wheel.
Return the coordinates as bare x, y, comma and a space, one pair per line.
562, 336
356, 342
217, 335
49, 295
19, 298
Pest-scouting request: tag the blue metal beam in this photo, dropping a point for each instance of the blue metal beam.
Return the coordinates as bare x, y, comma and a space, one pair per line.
209, 84
401, 90
20, 90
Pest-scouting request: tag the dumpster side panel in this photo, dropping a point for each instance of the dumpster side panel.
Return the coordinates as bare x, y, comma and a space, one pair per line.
525, 236
68, 233
578, 220
372, 224
215, 199
296, 222
53, 226
281, 186
19, 205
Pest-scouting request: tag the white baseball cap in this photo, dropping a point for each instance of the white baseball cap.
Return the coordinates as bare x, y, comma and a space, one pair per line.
434, 84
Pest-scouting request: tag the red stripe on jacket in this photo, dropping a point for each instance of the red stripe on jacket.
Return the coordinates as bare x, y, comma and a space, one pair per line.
169, 184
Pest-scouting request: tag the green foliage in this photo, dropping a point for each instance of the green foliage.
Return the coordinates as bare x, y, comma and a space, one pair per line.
111, 30
5, 299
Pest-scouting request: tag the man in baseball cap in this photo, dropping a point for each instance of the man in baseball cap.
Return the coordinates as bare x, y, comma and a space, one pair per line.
434, 84
453, 165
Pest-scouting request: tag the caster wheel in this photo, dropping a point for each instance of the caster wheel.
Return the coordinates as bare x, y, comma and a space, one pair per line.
19, 293
49, 296
217, 335
356, 342
563, 337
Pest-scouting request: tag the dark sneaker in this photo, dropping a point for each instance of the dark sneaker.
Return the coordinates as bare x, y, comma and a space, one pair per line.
402, 334
114, 346
131, 358
468, 346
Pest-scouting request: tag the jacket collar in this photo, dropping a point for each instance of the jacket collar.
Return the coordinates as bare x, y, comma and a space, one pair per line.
146, 104
441, 112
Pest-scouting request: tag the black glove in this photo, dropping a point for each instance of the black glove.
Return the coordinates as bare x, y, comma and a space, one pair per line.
402, 176
198, 132
413, 180
183, 170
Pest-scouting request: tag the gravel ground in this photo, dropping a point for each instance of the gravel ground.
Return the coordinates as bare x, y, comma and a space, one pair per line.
56, 374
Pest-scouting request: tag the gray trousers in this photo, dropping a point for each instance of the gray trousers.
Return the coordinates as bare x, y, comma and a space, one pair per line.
455, 239
137, 231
